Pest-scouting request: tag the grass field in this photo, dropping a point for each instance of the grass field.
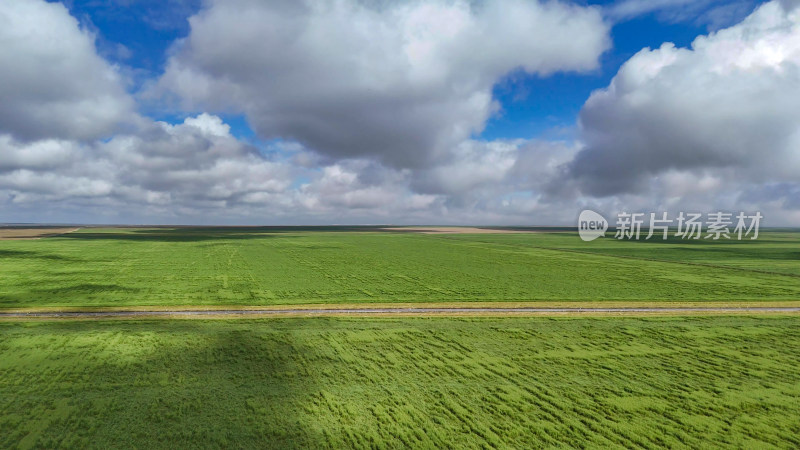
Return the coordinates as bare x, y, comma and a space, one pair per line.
265, 266
514, 382
444, 382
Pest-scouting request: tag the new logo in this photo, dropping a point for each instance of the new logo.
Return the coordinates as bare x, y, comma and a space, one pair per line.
591, 225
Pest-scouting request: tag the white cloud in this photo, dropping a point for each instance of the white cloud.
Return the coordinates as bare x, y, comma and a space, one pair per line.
377, 104
40, 155
191, 166
384, 134
208, 124
471, 164
728, 104
400, 82
195, 162
54, 85
715, 14
626, 9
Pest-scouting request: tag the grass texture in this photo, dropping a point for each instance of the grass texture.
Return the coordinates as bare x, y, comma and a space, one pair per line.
267, 266
702, 382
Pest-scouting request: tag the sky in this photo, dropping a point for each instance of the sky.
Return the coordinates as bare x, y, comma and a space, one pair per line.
451, 112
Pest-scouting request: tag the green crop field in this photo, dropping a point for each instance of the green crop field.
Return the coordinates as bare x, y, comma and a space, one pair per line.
514, 382
266, 266
423, 382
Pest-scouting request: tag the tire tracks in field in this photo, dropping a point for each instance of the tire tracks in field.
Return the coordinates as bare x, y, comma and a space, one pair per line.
608, 255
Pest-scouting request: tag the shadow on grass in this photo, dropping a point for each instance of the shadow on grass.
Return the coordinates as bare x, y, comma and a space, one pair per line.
779, 254
196, 234
24, 254
163, 384
74, 295
86, 288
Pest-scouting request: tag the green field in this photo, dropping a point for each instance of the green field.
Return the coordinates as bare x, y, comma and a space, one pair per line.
273, 266
436, 382
506, 382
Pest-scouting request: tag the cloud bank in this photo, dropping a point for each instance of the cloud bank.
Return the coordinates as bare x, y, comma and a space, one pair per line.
370, 112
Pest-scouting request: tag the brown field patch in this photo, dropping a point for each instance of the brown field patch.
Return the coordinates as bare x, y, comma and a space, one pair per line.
12, 233
457, 230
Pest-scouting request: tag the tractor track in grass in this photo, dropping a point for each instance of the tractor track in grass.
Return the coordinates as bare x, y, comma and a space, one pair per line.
618, 256
404, 311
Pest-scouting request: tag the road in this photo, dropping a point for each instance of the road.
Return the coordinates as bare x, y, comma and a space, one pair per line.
404, 311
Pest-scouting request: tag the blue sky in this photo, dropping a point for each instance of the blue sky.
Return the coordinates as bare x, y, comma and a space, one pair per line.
509, 112
535, 105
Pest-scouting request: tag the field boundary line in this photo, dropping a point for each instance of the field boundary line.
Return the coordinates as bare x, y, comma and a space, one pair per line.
529, 304
401, 311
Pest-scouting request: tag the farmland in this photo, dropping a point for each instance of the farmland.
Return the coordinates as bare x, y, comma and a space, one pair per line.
506, 382
309, 382
118, 267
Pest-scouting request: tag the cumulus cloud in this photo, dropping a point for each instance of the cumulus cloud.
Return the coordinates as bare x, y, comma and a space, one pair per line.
54, 85
195, 165
482, 182
498, 166
340, 186
472, 164
376, 106
40, 155
399, 82
727, 105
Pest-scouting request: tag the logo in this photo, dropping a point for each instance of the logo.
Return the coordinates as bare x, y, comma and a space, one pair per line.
591, 225
632, 226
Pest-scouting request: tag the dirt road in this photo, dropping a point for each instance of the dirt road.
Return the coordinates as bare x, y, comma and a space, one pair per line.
404, 311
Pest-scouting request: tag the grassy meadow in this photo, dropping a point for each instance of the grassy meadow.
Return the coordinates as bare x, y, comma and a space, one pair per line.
275, 266
697, 382
504, 382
